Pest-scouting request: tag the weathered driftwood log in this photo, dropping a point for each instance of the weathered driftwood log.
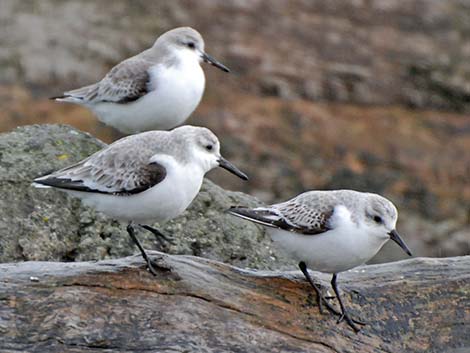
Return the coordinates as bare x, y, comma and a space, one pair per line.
199, 305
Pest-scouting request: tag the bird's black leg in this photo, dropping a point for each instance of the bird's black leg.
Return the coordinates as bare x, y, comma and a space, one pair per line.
344, 315
321, 299
162, 239
130, 230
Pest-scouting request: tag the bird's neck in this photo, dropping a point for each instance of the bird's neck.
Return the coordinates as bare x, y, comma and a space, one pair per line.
186, 58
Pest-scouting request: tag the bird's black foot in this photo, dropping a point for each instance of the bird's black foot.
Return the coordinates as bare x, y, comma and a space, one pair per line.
344, 315
351, 322
151, 265
154, 267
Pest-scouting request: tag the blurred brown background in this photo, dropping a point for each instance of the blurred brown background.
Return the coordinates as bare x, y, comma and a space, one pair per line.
372, 95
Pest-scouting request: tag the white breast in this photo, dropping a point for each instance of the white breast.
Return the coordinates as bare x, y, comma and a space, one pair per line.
177, 91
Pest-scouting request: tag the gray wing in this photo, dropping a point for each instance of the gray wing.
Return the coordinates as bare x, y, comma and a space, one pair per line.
119, 169
126, 82
293, 215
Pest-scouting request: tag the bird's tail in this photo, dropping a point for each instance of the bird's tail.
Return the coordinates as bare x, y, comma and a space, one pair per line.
39, 181
79, 95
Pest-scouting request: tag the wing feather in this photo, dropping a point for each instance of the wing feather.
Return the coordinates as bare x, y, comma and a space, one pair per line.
291, 218
122, 168
126, 82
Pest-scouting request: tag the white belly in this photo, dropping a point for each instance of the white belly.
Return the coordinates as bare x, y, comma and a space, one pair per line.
176, 93
165, 201
330, 252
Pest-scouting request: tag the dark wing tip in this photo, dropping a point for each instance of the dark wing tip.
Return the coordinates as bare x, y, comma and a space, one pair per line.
42, 180
58, 97
62, 183
256, 216
237, 210
54, 182
242, 212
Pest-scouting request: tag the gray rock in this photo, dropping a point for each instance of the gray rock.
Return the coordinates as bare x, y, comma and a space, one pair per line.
46, 224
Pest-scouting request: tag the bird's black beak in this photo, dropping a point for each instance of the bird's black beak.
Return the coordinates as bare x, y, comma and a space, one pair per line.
223, 163
397, 239
209, 59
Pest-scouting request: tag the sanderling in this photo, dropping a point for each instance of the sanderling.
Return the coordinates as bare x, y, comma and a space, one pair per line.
155, 90
149, 177
329, 231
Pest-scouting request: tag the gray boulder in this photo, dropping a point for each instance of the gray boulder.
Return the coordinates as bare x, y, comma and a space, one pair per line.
46, 224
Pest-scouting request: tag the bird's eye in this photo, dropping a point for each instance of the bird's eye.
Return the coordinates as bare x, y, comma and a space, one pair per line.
191, 45
378, 219
209, 147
